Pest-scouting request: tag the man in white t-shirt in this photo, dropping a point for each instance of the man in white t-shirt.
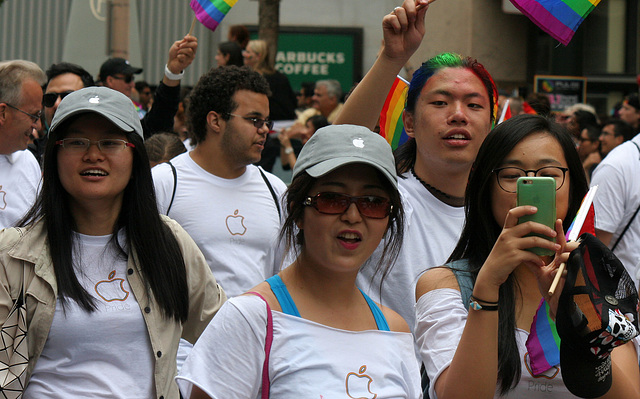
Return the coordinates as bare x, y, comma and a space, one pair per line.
20, 111
617, 202
229, 206
449, 111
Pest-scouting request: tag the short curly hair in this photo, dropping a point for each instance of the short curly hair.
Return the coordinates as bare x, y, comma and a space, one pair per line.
214, 92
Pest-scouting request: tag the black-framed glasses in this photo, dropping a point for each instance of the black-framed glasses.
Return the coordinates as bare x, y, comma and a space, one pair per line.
508, 176
126, 78
81, 145
370, 206
34, 117
257, 122
49, 99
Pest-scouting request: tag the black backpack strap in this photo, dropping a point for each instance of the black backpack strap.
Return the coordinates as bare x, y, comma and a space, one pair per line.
632, 217
175, 184
273, 193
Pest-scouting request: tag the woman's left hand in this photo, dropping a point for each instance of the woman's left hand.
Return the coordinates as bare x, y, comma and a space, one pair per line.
546, 274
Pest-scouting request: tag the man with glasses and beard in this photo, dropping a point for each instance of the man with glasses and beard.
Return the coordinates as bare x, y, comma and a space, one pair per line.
20, 113
118, 74
229, 206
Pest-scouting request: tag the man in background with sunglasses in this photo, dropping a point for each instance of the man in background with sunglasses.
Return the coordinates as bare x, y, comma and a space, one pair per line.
20, 113
118, 74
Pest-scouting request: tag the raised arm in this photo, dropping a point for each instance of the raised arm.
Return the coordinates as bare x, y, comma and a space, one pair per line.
403, 30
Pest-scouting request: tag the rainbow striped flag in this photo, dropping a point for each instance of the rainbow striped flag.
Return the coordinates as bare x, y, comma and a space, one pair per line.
391, 125
543, 342
559, 18
211, 12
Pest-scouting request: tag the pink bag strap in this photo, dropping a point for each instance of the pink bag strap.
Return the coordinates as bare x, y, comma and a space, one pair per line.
267, 349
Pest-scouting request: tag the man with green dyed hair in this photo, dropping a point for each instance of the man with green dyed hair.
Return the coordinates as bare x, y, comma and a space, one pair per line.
450, 108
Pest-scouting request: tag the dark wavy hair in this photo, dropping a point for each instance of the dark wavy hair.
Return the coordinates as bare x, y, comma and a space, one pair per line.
156, 248
406, 154
293, 237
67, 67
481, 230
214, 92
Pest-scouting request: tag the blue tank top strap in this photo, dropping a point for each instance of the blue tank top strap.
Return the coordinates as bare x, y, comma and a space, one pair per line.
283, 296
381, 321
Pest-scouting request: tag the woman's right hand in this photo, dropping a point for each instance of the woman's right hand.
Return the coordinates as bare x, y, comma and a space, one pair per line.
510, 249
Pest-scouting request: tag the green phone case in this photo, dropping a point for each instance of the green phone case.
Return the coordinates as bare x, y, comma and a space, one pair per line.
541, 193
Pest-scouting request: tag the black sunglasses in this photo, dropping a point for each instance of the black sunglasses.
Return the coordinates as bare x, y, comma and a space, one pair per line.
49, 99
370, 206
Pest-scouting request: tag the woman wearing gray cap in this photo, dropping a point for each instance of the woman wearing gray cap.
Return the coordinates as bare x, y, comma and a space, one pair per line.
110, 285
309, 331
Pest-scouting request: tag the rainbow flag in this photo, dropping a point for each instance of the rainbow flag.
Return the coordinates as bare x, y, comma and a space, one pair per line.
391, 125
543, 343
559, 18
211, 12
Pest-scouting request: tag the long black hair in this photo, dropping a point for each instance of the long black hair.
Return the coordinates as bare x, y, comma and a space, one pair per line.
481, 230
156, 249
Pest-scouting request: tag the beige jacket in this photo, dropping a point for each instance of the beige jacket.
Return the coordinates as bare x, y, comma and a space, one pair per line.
26, 246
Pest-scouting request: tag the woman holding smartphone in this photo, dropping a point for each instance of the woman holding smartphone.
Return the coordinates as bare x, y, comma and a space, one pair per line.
479, 347
329, 339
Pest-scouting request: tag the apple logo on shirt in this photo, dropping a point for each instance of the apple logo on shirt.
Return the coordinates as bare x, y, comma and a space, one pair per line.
235, 224
359, 385
112, 289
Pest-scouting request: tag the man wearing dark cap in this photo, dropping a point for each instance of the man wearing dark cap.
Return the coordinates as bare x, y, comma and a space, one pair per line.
117, 74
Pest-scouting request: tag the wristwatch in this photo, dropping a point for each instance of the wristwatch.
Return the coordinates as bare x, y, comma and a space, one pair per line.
288, 150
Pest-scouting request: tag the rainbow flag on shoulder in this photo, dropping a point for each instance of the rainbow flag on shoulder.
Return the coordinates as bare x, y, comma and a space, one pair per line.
211, 12
559, 18
391, 125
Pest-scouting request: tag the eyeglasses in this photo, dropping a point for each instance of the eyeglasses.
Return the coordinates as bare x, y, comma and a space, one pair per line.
257, 122
583, 139
370, 206
605, 134
106, 146
49, 99
34, 117
126, 78
508, 176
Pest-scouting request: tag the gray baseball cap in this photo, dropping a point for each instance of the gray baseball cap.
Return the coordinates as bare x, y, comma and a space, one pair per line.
109, 103
336, 145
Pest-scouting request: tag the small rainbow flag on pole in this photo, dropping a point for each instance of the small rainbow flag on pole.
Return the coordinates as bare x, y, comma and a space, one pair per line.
559, 18
211, 12
543, 343
391, 125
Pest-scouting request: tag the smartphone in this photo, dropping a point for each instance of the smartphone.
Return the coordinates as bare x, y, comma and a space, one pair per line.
541, 193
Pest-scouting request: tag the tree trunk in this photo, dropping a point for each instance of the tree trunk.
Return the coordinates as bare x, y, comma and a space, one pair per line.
268, 25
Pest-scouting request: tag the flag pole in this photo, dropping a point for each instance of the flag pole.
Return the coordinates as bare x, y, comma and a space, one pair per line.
193, 24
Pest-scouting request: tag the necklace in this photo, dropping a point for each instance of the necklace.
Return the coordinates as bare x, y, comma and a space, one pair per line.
441, 195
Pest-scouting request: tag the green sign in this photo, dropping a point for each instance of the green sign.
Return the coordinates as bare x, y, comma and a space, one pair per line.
311, 54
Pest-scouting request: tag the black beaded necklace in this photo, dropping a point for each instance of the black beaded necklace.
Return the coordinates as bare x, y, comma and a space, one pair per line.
441, 195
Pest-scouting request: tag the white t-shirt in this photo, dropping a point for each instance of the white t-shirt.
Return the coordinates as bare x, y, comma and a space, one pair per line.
234, 222
618, 197
102, 354
307, 359
441, 318
432, 230
20, 177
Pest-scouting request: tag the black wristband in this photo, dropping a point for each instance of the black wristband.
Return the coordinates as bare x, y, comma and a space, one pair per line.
474, 303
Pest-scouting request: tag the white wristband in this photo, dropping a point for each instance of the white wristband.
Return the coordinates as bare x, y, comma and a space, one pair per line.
172, 76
